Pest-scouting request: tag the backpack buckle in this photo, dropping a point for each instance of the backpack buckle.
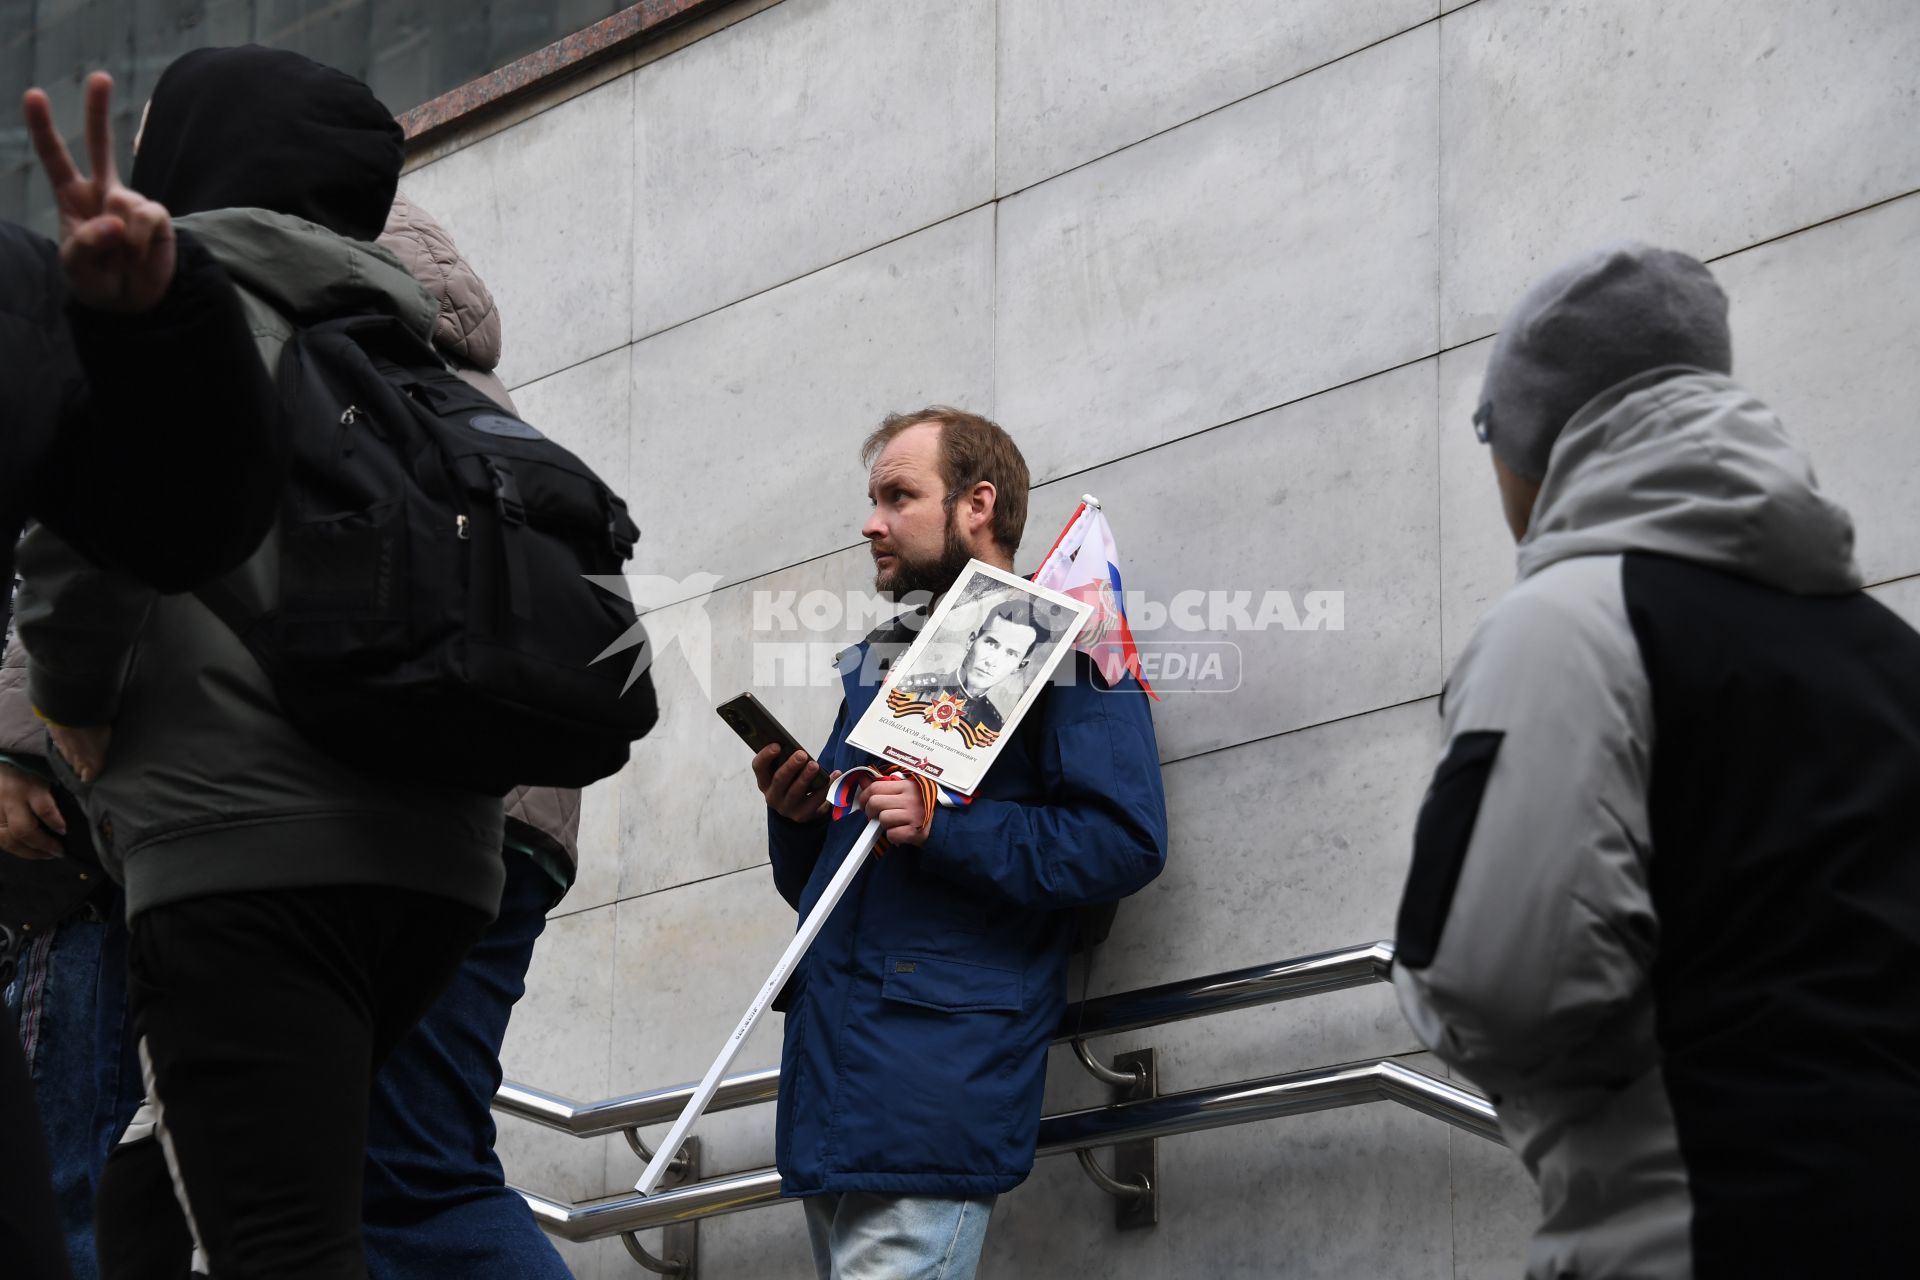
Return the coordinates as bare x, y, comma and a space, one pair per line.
506, 494
621, 532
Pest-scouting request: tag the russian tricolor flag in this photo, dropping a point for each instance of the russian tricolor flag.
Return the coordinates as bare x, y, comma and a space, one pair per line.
1084, 564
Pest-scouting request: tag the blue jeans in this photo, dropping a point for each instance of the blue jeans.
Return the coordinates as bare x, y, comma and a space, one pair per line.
860, 1236
436, 1199
71, 1000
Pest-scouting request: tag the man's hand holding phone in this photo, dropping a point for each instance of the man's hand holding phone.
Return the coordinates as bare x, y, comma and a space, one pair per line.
794, 787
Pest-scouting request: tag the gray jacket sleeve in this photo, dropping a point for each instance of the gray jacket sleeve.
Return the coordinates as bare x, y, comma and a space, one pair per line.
80, 625
1527, 931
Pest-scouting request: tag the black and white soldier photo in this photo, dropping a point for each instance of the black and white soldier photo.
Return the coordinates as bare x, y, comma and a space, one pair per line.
954, 696
968, 695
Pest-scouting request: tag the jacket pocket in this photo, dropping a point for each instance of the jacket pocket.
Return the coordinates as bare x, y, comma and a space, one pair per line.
1440, 841
954, 986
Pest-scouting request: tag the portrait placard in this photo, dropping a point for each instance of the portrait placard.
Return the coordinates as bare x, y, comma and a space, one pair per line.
956, 696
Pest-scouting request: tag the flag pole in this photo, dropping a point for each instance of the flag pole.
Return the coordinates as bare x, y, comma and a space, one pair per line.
1087, 500
789, 960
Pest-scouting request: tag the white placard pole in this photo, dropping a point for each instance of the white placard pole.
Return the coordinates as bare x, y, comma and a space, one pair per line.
809, 930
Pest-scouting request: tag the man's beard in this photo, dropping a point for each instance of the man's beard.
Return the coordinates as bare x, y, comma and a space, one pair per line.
933, 576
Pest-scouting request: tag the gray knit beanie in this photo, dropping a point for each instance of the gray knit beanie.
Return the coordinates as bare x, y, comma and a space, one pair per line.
1600, 319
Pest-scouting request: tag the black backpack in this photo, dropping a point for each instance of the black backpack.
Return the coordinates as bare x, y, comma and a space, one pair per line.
431, 618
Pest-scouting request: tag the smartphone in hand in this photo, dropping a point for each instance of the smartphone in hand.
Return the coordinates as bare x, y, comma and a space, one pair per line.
757, 727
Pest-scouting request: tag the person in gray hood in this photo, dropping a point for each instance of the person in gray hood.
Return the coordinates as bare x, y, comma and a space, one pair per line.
1664, 904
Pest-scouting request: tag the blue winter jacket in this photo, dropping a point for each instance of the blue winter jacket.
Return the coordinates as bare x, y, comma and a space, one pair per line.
918, 1023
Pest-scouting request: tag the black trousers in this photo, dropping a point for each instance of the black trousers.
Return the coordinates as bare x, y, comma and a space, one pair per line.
263, 1017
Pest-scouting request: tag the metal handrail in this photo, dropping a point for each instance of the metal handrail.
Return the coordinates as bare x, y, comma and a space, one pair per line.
1102, 1016
656, 1106
1291, 1094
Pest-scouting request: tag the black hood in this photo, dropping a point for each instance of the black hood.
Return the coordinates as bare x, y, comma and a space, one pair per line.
257, 128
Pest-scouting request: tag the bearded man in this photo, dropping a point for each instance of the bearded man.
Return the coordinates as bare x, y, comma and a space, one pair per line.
918, 1023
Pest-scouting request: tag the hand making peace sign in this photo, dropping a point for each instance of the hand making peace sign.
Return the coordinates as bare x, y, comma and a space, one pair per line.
116, 245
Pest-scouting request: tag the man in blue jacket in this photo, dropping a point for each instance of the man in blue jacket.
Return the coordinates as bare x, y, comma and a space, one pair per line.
918, 1023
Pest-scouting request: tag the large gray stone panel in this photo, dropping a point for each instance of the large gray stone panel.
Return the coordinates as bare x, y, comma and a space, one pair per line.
1080, 78
587, 408
597, 1260
690, 809
1270, 250
1335, 493
1279, 848
602, 837
767, 1244
688, 961
1824, 330
747, 423
1707, 126
559, 1040
544, 213
800, 136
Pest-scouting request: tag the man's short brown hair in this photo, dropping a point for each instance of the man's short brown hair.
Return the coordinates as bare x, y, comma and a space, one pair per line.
972, 449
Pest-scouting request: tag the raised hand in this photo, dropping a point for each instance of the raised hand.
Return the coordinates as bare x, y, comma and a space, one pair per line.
116, 246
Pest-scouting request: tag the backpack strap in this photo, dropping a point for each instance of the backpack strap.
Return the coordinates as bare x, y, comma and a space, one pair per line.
513, 525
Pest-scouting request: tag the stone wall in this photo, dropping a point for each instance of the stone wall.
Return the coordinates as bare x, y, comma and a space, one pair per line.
1231, 266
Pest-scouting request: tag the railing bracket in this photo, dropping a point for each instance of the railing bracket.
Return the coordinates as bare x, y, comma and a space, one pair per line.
1118, 1077
679, 1241
1134, 1183
676, 1167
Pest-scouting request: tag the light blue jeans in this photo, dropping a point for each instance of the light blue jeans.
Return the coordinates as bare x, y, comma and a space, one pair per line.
859, 1236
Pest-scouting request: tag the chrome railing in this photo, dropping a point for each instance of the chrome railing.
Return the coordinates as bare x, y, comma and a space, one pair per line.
1295, 1093
1101, 1016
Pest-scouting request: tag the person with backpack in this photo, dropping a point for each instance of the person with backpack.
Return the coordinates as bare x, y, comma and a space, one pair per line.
1664, 904
435, 1200
291, 913
129, 387
918, 1023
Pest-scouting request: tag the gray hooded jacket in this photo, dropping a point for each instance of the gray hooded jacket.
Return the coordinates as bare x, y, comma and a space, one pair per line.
1687, 623
207, 787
